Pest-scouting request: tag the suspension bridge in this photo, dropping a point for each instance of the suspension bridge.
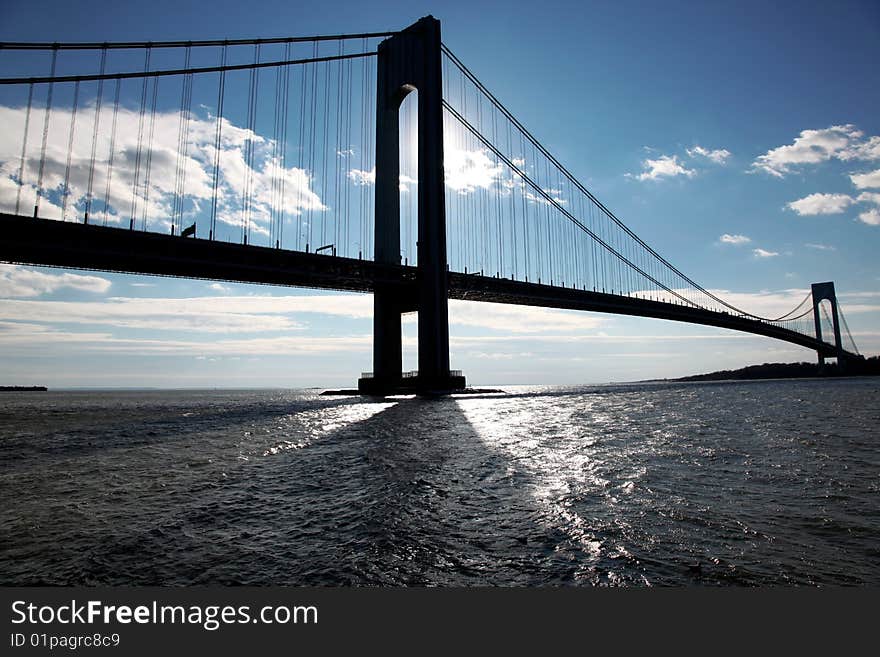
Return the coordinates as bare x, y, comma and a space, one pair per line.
372, 162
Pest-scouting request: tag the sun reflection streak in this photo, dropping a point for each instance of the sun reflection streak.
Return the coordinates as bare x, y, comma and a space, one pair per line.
557, 460
299, 430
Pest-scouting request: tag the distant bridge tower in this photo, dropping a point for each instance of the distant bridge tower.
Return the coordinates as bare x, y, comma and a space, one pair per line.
823, 292
411, 60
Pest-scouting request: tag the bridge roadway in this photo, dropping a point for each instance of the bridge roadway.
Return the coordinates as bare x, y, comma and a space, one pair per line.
24, 240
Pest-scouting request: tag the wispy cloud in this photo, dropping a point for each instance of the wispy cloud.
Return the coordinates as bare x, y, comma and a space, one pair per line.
842, 142
778, 302
821, 247
718, 156
264, 314
665, 166
521, 319
362, 178
763, 253
734, 239
26, 338
203, 315
815, 204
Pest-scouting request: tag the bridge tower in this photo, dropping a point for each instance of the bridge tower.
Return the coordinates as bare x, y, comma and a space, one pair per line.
411, 60
822, 292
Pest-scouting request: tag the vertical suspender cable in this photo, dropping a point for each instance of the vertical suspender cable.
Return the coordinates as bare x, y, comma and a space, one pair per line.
303, 176
313, 136
253, 88
371, 152
221, 88
99, 101
324, 152
150, 154
137, 161
514, 254
45, 134
182, 138
66, 188
284, 121
112, 153
27, 122
338, 158
363, 223
349, 157
275, 181
188, 120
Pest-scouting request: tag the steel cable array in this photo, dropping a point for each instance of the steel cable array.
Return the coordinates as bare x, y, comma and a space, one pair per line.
514, 211
291, 165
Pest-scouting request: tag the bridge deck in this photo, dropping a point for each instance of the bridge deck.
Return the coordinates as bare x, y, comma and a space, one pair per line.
25, 240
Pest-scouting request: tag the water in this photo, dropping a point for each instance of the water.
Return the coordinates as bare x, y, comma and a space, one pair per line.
752, 483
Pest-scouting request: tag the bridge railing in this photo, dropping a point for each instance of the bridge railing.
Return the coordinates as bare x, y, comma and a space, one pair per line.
410, 374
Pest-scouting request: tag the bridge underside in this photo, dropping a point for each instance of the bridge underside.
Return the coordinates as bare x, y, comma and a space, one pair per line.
24, 240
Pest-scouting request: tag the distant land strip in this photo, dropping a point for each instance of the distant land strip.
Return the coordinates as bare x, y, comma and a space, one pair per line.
868, 367
23, 389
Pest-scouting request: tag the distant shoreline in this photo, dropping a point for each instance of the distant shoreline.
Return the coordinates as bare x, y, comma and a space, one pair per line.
869, 367
23, 389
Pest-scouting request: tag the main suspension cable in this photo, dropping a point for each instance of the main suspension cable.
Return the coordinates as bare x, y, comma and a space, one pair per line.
179, 71
19, 45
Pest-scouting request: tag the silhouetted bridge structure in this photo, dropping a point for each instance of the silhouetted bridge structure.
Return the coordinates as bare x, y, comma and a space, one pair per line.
471, 207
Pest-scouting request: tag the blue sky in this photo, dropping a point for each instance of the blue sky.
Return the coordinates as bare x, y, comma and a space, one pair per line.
691, 121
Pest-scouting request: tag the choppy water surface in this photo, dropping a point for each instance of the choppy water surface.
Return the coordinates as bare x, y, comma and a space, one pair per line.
734, 483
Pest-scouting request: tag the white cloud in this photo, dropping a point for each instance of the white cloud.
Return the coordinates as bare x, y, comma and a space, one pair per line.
213, 314
520, 319
734, 239
718, 156
261, 314
866, 150
16, 281
821, 204
664, 166
152, 314
37, 338
816, 204
842, 142
466, 171
156, 203
763, 253
821, 247
776, 303
869, 197
362, 178
870, 217
555, 196
869, 180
